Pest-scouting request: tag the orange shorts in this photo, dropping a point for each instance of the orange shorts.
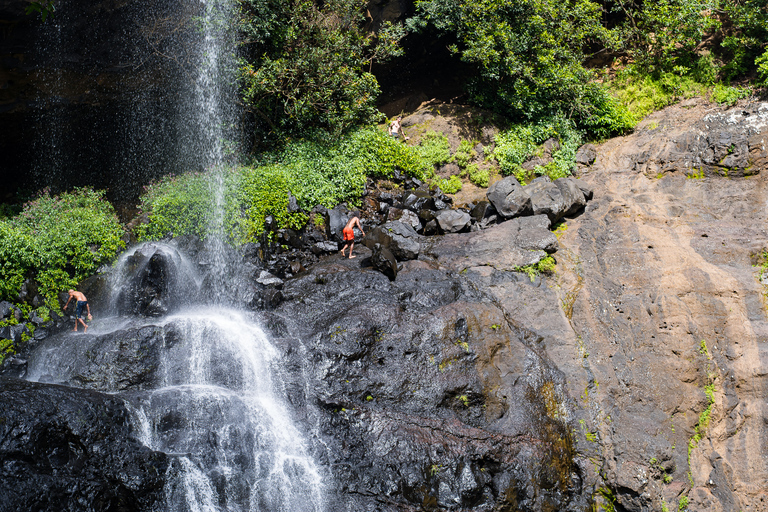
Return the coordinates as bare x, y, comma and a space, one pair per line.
349, 234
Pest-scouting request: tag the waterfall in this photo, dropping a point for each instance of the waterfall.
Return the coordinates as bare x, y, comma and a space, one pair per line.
216, 405
219, 410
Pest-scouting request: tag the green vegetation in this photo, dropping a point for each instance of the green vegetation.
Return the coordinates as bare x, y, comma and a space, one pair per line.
57, 241
479, 177
434, 149
727, 95
526, 56
304, 65
465, 153
703, 422
545, 266
515, 145
450, 185
313, 172
44, 7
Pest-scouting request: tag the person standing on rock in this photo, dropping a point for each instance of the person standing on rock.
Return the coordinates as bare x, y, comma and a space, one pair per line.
81, 303
396, 129
349, 235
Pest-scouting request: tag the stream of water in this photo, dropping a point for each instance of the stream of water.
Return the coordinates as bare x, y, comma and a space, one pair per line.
218, 410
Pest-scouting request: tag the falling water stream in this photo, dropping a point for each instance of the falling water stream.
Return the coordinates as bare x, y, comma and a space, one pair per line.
218, 409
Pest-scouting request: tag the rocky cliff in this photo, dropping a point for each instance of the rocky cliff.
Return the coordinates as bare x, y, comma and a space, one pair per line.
632, 378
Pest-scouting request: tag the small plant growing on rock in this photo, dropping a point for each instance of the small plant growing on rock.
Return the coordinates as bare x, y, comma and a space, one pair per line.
465, 153
480, 177
450, 185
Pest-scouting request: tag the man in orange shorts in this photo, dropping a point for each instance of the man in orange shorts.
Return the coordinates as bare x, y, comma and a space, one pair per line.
349, 235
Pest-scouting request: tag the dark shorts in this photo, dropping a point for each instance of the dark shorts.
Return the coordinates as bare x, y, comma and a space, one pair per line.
80, 308
349, 234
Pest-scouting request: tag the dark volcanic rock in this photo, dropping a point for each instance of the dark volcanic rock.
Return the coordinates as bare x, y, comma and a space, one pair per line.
399, 238
509, 198
429, 395
453, 221
70, 449
556, 199
384, 261
126, 359
156, 280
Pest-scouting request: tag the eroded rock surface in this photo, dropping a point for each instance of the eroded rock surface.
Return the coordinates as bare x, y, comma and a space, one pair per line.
70, 449
667, 315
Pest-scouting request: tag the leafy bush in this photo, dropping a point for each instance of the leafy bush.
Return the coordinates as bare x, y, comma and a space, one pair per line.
479, 177
182, 205
762, 67
57, 241
727, 95
314, 172
306, 65
264, 191
515, 145
433, 149
450, 185
642, 93
465, 153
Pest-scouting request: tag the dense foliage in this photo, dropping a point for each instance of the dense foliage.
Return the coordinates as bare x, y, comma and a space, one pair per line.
306, 64
520, 141
528, 56
57, 241
313, 172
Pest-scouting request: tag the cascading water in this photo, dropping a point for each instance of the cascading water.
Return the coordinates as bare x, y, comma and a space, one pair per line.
214, 405
218, 407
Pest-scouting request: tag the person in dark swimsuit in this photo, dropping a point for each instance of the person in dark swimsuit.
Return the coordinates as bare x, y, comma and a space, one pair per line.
81, 304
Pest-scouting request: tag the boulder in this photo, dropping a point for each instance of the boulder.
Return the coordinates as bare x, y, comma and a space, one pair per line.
453, 221
573, 196
586, 154
509, 198
5, 309
324, 247
154, 280
384, 261
335, 220
400, 238
555, 199
408, 217
506, 246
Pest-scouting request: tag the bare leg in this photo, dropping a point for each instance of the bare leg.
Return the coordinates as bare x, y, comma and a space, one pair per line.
350, 250
345, 248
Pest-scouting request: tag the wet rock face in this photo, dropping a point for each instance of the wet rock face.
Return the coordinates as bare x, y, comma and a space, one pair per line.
155, 282
427, 395
69, 449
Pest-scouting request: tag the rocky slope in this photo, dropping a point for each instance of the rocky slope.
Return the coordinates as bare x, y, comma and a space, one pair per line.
631, 379
661, 299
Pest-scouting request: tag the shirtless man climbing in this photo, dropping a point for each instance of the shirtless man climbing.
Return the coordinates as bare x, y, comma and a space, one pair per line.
349, 235
81, 303
396, 130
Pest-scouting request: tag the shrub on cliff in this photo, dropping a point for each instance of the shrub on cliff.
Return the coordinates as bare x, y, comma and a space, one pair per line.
57, 241
521, 141
314, 172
